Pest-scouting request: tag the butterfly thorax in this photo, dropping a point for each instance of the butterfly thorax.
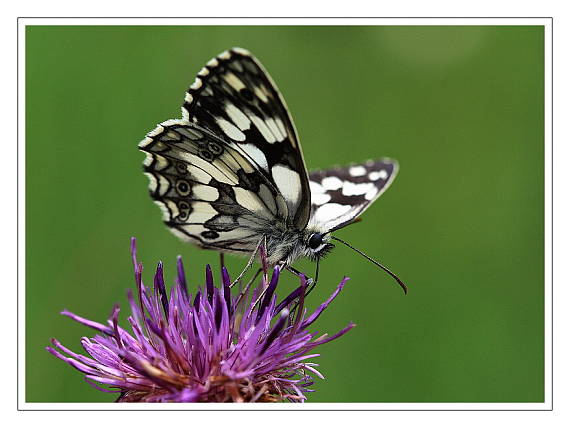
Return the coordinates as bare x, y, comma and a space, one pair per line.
287, 245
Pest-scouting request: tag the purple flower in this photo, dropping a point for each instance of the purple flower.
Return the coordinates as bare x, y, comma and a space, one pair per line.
209, 347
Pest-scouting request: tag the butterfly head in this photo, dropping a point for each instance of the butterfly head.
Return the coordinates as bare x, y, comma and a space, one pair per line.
318, 244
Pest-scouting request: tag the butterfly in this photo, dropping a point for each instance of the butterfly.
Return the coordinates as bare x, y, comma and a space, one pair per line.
230, 175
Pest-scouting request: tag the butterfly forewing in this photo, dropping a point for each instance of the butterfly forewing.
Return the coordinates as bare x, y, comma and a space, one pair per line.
234, 97
339, 195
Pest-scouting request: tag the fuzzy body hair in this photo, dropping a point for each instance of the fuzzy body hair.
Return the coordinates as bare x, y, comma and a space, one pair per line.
288, 246
284, 244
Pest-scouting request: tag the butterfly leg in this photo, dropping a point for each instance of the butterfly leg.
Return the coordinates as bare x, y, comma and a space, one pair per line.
249, 263
311, 283
298, 273
246, 288
314, 284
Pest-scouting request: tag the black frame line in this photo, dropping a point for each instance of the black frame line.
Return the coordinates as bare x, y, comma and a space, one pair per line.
278, 408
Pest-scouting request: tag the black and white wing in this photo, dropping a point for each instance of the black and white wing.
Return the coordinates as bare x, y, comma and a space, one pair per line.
232, 164
339, 195
209, 192
235, 98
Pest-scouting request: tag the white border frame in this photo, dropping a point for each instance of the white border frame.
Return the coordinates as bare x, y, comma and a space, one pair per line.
546, 22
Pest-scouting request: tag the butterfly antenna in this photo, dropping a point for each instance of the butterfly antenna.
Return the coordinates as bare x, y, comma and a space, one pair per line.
388, 271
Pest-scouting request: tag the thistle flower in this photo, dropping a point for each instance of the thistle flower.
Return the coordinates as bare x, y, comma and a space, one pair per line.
209, 347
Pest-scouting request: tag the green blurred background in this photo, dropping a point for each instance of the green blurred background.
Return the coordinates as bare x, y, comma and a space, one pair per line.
461, 108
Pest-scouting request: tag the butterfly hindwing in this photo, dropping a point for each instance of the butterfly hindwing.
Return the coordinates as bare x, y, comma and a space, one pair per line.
209, 192
234, 97
339, 195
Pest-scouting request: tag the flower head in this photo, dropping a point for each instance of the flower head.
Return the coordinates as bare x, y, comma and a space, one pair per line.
208, 347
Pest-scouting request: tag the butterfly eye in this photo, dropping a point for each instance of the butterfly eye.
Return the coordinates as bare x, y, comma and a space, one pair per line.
315, 240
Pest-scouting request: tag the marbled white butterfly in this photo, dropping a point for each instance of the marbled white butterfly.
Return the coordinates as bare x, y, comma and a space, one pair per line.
230, 175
